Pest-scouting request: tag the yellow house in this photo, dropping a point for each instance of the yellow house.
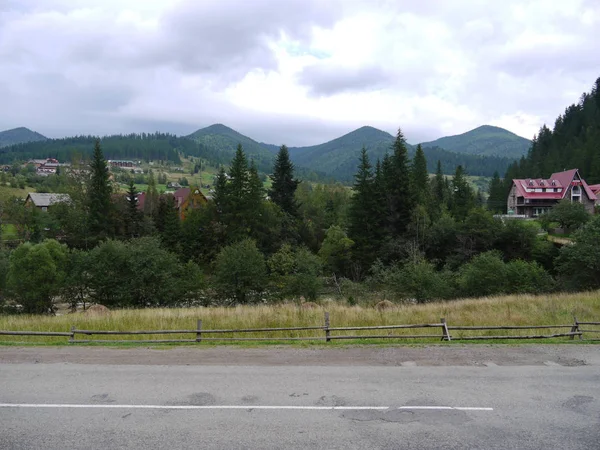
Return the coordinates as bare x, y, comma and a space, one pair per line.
189, 198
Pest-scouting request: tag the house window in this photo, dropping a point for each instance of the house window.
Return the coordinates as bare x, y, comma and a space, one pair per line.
44, 208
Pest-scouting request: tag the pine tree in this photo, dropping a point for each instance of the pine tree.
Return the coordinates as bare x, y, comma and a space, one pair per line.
133, 215
170, 223
99, 195
440, 193
238, 176
420, 178
237, 190
463, 199
363, 224
220, 191
256, 191
283, 189
497, 196
397, 183
151, 201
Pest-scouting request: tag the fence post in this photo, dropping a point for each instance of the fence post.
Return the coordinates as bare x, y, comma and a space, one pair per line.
445, 332
575, 329
72, 337
198, 332
327, 337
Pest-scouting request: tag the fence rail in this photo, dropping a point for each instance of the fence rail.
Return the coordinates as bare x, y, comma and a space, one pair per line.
330, 333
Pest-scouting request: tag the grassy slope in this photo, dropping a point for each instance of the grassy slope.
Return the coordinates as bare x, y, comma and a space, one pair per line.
509, 310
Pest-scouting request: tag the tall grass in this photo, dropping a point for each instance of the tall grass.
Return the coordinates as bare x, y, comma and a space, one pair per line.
557, 309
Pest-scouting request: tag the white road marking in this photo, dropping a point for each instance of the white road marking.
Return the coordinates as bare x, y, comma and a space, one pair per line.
244, 407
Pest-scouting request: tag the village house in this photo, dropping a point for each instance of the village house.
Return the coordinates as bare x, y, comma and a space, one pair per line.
185, 199
45, 167
596, 190
532, 197
43, 201
188, 198
122, 163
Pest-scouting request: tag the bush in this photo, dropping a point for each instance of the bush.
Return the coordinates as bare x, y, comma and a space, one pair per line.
240, 272
295, 272
140, 273
524, 277
417, 280
578, 265
36, 274
486, 274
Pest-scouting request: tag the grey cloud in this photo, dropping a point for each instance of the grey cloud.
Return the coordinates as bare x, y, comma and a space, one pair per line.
226, 38
327, 79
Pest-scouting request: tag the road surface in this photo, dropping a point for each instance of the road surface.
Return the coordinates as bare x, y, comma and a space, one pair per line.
492, 404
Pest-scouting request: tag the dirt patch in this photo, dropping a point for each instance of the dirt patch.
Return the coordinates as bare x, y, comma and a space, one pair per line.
430, 355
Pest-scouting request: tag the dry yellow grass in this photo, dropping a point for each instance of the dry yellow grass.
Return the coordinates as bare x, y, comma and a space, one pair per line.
556, 309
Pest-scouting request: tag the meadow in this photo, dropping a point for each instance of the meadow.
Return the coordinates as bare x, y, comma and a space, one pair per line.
556, 309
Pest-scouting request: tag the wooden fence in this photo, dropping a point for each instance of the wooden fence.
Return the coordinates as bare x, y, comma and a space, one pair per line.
327, 333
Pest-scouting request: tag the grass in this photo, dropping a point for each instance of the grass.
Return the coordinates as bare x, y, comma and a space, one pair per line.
7, 192
556, 309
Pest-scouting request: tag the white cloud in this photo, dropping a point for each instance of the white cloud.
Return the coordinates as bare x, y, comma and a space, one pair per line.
295, 71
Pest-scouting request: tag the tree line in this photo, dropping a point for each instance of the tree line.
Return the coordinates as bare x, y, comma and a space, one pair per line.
398, 233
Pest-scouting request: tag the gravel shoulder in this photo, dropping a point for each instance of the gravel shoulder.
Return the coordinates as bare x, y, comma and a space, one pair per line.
427, 355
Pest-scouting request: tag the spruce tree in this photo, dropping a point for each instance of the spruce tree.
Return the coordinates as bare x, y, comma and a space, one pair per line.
170, 223
283, 189
256, 191
463, 198
420, 178
220, 191
362, 229
237, 190
133, 215
497, 197
397, 181
99, 195
151, 201
439, 185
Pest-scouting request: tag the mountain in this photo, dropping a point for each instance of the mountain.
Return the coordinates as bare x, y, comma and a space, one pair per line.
485, 140
339, 157
218, 143
19, 136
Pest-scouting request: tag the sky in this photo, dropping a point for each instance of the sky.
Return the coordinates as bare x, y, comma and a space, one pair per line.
298, 72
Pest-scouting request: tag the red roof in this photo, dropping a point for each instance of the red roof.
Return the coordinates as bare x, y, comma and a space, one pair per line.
180, 195
556, 186
595, 189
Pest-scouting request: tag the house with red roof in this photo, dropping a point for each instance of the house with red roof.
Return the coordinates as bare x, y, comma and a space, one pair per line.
534, 196
596, 190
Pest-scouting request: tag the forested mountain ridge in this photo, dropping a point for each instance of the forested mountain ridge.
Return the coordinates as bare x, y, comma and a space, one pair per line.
155, 146
335, 159
339, 157
218, 143
19, 135
573, 143
485, 140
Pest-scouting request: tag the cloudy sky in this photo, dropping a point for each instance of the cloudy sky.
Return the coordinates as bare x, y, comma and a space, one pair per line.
294, 71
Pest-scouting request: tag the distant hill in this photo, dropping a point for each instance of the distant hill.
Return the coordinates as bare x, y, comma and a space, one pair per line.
336, 159
19, 135
218, 143
339, 157
485, 140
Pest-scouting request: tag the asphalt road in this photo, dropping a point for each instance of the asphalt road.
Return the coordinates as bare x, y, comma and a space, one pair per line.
90, 406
